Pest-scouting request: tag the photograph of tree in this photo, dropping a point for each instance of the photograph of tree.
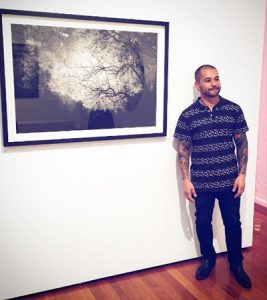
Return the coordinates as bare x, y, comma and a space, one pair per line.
88, 78
73, 78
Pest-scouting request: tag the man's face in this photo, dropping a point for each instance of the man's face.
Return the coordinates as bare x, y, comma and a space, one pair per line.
209, 84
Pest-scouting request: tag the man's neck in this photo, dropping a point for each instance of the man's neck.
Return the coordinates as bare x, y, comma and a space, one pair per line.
209, 101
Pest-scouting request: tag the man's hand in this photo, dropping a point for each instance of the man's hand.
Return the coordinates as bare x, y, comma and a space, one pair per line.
239, 185
189, 190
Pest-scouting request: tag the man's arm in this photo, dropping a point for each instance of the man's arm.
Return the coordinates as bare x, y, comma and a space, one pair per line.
184, 152
242, 159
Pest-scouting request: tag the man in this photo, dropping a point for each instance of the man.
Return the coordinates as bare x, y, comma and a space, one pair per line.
209, 131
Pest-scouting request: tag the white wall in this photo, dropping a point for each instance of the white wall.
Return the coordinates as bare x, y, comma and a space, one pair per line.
261, 173
76, 212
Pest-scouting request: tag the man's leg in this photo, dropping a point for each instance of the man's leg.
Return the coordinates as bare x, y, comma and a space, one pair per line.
204, 203
229, 207
204, 209
230, 211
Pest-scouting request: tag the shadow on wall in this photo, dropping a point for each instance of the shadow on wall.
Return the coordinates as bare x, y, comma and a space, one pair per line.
187, 210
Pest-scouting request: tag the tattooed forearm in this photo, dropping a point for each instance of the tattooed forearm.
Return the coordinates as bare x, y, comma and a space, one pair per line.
184, 150
242, 152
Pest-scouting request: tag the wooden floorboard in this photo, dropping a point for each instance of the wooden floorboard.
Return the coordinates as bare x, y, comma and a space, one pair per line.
177, 281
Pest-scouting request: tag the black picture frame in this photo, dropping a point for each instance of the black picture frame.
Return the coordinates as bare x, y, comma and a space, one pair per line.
73, 78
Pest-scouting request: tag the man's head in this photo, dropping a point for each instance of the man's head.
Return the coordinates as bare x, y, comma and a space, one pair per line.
199, 69
207, 81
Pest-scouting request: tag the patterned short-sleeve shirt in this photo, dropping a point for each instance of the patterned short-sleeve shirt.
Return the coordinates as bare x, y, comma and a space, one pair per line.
213, 159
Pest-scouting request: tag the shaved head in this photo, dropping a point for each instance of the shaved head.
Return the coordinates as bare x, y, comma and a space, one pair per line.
198, 71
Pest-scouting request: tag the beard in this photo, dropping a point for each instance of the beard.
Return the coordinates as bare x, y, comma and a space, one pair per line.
212, 93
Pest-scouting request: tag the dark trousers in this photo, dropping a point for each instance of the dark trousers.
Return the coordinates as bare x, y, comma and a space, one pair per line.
229, 208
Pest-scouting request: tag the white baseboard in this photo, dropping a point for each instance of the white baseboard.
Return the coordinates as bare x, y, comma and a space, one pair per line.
260, 201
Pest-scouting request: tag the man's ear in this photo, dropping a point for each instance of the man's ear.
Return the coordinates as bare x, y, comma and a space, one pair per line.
197, 85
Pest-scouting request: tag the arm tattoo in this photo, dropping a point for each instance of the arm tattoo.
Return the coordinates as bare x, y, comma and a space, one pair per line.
242, 152
184, 151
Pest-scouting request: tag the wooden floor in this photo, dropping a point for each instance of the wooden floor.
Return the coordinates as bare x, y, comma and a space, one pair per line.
177, 281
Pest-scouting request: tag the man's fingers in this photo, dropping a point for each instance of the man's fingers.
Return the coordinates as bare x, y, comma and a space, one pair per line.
194, 192
190, 199
239, 192
189, 196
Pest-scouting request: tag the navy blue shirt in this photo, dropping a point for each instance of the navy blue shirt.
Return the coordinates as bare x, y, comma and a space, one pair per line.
213, 159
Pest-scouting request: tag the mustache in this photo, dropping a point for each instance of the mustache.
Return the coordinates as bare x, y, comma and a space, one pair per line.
214, 88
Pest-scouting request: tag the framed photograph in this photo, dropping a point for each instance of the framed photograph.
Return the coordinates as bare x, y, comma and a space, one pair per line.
69, 78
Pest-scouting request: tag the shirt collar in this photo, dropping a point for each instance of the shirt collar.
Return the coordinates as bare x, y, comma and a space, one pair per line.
200, 105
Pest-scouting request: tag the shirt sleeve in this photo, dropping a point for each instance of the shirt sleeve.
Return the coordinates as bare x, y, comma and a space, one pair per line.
182, 130
240, 125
